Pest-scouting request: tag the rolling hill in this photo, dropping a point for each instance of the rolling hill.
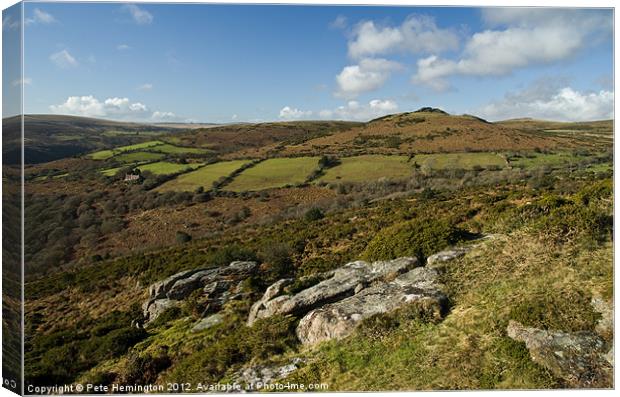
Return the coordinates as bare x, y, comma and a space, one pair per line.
431, 130
52, 137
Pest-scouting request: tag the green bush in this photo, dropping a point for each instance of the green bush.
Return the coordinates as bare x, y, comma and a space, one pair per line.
418, 237
556, 310
314, 214
183, 237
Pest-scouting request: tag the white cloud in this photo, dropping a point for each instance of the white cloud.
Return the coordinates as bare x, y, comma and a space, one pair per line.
24, 81
80, 106
339, 23
288, 113
164, 116
8, 23
39, 17
353, 110
549, 102
369, 75
531, 37
417, 34
63, 59
115, 108
234, 117
139, 15
123, 47
145, 87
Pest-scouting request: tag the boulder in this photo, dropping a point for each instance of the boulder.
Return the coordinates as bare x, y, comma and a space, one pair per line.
605, 325
343, 283
207, 322
152, 309
216, 285
337, 320
578, 358
439, 259
257, 376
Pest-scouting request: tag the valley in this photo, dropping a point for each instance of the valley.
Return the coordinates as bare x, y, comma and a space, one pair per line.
286, 206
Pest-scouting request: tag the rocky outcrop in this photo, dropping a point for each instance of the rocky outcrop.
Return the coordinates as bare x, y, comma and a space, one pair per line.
218, 285
439, 259
344, 282
258, 376
417, 287
335, 306
208, 322
578, 358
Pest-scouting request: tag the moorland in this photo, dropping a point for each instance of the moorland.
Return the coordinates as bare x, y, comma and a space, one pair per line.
114, 212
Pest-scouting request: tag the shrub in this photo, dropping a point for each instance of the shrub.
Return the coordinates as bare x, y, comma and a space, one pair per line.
232, 253
279, 258
183, 237
314, 214
556, 310
143, 370
418, 237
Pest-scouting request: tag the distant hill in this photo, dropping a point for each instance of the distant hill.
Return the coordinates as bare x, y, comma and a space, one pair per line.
51, 137
433, 130
250, 138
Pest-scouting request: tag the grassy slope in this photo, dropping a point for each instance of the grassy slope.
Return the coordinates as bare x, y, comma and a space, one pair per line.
203, 177
368, 168
165, 167
465, 161
138, 156
106, 154
274, 173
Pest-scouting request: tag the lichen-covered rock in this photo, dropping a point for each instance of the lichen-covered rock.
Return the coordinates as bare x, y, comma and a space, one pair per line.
578, 358
337, 320
605, 325
216, 283
259, 375
342, 283
207, 322
439, 259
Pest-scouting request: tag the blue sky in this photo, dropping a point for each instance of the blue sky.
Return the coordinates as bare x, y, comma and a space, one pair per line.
226, 63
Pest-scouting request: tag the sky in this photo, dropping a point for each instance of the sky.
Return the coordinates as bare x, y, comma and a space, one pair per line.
233, 63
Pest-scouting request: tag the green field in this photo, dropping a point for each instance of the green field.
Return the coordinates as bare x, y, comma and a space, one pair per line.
274, 173
134, 157
368, 168
106, 154
466, 161
112, 133
167, 148
165, 167
158, 168
202, 177
535, 160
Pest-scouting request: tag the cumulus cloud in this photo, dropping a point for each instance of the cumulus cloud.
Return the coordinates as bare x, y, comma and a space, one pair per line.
139, 15
549, 102
529, 37
40, 17
63, 59
288, 113
368, 75
123, 47
120, 108
145, 87
417, 34
353, 110
164, 116
87, 105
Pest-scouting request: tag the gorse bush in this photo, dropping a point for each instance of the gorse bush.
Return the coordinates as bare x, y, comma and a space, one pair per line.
418, 237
